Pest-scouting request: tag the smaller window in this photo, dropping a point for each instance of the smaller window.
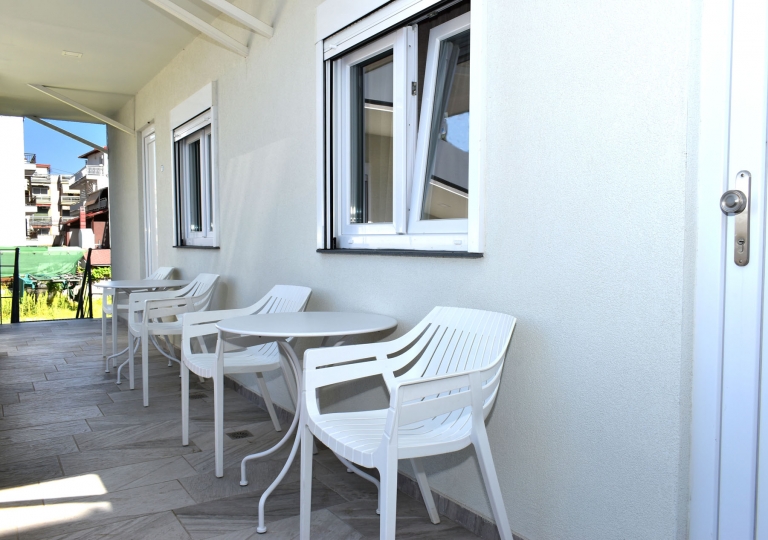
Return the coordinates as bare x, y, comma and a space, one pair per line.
195, 189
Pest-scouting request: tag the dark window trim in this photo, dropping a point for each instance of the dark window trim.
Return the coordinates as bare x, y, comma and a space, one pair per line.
404, 253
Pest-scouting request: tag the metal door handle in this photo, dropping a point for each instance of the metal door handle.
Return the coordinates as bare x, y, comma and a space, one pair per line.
735, 202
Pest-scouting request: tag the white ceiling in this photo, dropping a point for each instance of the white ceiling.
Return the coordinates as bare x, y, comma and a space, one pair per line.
124, 44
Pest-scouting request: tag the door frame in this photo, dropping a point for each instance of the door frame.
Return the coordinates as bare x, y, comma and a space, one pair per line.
711, 180
151, 250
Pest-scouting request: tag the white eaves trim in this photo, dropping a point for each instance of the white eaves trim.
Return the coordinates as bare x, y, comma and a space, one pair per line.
195, 22
80, 107
243, 17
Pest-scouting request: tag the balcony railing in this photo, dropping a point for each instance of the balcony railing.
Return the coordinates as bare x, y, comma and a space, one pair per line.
43, 199
40, 179
39, 221
30, 158
88, 170
30, 200
68, 200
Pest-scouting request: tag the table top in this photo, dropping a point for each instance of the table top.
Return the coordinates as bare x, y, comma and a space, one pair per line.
143, 283
307, 324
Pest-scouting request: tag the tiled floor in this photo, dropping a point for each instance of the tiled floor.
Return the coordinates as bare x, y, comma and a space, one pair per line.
81, 458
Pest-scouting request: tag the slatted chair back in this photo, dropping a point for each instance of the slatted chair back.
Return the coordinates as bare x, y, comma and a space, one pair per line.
163, 272
451, 341
279, 299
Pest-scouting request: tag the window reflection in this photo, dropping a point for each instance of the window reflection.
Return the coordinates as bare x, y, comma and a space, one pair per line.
372, 141
447, 181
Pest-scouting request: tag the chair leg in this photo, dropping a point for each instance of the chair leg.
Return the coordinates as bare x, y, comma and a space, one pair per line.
268, 400
130, 360
305, 505
104, 337
170, 349
218, 423
184, 405
145, 366
491, 481
114, 335
426, 493
388, 499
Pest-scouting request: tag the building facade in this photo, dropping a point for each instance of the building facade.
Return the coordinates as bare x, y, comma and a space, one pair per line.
583, 231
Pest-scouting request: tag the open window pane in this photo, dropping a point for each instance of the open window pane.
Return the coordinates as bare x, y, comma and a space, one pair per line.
371, 186
447, 179
195, 184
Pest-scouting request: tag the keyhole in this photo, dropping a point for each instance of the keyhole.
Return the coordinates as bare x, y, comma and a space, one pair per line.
741, 243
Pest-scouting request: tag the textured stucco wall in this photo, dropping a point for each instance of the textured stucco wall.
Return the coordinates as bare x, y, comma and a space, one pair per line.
589, 227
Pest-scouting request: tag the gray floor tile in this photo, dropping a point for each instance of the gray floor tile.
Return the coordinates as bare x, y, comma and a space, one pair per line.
153, 526
412, 520
24, 473
221, 516
43, 405
101, 511
43, 417
42, 432
324, 526
96, 460
26, 451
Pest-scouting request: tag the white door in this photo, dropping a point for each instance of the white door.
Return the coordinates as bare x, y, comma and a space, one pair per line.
150, 203
742, 494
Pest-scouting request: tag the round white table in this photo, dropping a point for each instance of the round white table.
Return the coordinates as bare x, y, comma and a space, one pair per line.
279, 327
113, 288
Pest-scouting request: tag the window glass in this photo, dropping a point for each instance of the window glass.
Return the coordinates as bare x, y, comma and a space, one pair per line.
372, 141
446, 183
208, 160
195, 195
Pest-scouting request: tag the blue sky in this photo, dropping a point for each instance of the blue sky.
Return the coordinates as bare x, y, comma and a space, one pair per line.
59, 150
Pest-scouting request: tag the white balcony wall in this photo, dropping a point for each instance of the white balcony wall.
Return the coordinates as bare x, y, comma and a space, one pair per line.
591, 118
12, 167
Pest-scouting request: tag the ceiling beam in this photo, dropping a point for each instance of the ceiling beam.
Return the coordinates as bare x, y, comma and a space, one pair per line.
67, 133
83, 108
195, 22
245, 18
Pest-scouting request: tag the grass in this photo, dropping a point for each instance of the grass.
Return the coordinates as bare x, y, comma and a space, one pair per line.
43, 308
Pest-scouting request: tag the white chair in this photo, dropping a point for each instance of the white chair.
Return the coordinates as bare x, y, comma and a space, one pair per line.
113, 307
443, 377
257, 359
158, 313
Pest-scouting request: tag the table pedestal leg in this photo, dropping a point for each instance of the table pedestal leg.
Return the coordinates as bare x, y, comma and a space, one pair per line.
296, 368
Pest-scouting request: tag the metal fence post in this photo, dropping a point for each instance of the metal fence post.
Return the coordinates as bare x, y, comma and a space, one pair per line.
16, 296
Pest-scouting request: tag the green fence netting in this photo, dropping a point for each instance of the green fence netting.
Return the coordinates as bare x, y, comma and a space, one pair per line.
41, 263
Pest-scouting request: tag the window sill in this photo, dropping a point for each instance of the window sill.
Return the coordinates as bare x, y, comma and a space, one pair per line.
404, 253
197, 247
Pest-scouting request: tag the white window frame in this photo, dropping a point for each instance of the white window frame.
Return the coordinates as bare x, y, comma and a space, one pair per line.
194, 119
398, 43
341, 28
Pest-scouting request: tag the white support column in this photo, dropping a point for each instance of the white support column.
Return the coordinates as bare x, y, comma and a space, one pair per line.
67, 133
245, 18
83, 108
195, 22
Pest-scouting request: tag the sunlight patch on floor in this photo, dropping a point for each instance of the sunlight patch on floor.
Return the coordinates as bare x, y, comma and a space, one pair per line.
26, 518
76, 486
